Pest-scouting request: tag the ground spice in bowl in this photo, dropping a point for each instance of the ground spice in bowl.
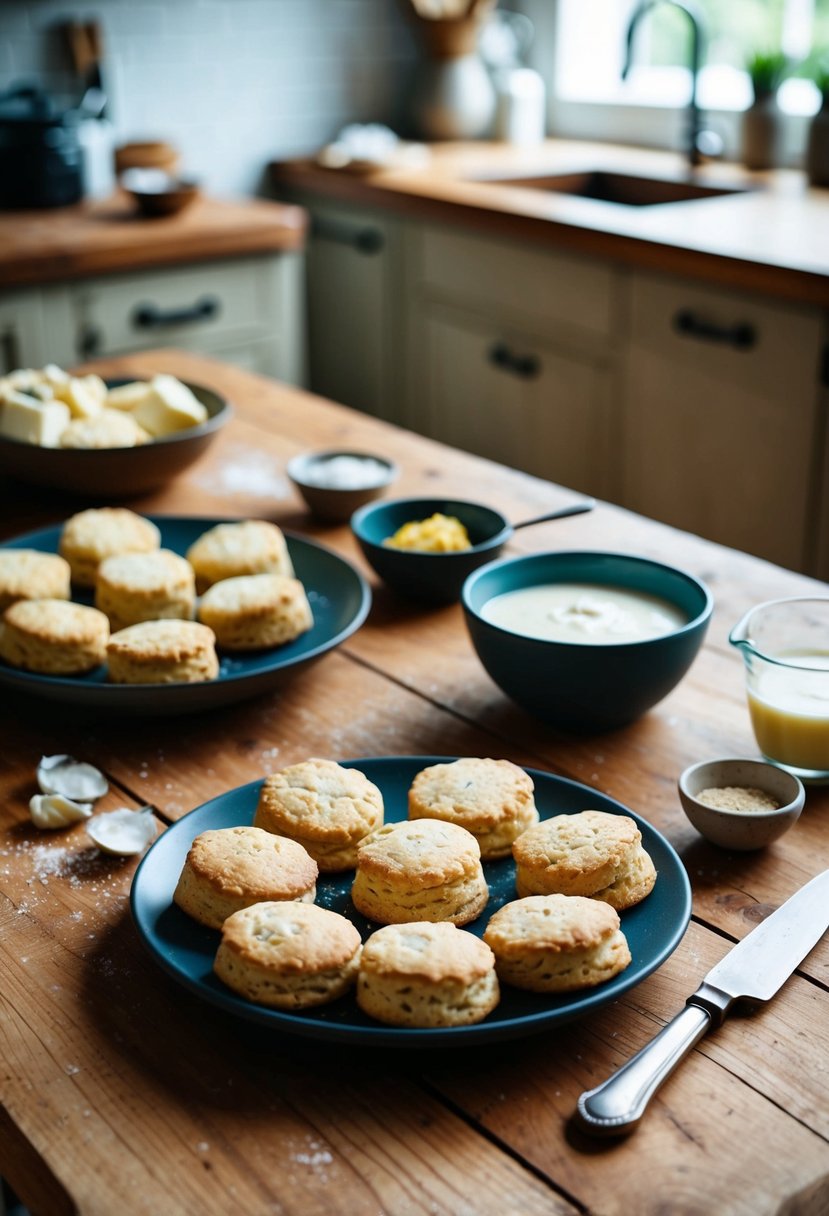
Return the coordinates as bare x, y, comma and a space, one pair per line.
737, 798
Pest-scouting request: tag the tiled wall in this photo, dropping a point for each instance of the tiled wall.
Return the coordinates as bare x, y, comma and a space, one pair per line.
232, 83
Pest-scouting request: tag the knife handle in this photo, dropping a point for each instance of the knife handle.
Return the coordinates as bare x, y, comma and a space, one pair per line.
616, 1106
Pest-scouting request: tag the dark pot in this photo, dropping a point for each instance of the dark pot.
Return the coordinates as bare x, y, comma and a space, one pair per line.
40, 151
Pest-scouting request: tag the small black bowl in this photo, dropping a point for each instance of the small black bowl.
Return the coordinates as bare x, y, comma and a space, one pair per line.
433, 577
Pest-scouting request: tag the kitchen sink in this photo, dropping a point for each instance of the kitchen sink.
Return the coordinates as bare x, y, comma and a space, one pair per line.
623, 188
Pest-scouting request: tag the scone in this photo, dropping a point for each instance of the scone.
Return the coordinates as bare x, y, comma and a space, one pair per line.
90, 536
162, 652
108, 429
557, 943
492, 799
133, 587
329, 809
422, 869
53, 637
252, 546
256, 611
288, 955
423, 974
231, 868
590, 853
27, 574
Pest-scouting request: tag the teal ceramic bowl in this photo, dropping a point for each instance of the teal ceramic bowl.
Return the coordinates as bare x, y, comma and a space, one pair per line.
433, 577
582, 687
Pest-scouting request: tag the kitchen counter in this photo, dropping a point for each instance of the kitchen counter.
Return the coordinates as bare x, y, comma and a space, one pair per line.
773, 238
123, 1092
99, 238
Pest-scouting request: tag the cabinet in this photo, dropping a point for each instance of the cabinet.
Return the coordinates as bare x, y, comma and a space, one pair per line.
511, 355
720, 416
248, 311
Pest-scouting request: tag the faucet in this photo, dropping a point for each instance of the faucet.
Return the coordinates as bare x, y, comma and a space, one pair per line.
697, 39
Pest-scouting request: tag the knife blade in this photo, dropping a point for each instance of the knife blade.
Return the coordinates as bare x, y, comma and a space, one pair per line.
753, 970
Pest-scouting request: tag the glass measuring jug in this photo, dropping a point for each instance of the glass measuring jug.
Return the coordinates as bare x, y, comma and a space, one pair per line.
785, 647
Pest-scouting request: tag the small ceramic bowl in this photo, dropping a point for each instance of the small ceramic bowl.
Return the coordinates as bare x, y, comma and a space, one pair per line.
158, 193
734, 829
580, 686
331, 487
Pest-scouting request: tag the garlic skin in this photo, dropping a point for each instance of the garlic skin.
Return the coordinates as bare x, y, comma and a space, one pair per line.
71, 778
123, 832
52, 811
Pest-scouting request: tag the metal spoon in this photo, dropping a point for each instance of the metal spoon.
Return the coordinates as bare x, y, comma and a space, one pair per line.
576, 508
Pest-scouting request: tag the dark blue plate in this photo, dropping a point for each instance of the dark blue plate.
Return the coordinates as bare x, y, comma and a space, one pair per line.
339, 598
186, 949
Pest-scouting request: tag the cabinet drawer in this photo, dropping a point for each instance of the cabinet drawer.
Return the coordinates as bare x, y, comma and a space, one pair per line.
134, 311
547, 289
754, 347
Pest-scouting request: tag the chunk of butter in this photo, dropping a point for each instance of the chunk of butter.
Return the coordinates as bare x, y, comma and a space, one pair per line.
128, 396
83, 395
30, 421
170, 407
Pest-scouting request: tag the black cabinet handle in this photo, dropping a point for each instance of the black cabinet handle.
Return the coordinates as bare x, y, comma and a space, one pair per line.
89, 341
525, 366
741, 336
364, 240
149, 316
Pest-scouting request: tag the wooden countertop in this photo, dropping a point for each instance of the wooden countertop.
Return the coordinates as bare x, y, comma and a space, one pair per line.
773, 238
96, 238
121, 1092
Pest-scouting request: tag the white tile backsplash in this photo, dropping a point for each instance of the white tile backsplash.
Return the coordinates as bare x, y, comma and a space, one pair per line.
232, 83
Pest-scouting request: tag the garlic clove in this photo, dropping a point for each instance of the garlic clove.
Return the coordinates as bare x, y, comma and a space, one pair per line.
72, 778
54, 811
123, 832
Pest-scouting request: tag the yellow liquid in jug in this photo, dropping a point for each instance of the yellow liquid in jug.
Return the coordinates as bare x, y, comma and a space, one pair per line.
790, 711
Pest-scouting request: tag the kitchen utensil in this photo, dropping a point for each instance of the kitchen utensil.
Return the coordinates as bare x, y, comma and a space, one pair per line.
41, 161
185, 949
741, 829
586, 686
752, 970
785, 648
438, 577
337, 503
116, 472
338, 594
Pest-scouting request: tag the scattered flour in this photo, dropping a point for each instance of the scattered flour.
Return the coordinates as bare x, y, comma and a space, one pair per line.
245, 471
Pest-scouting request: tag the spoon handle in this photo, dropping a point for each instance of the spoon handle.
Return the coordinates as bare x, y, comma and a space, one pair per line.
576, 508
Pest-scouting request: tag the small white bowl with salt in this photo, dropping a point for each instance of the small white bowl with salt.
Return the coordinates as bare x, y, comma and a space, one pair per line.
335, 483
740, 804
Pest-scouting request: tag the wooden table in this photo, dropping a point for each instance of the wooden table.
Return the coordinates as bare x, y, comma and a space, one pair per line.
121, 1093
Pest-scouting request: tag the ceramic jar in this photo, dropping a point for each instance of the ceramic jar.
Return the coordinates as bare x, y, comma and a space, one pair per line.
453, 95
817, 149
762, 132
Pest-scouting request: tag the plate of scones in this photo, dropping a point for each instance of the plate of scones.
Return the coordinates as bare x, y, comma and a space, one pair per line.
167, 614
410, 900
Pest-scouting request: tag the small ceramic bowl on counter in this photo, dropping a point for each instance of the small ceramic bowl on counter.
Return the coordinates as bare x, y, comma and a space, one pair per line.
599, 640
740, 804
156, 192
336, 483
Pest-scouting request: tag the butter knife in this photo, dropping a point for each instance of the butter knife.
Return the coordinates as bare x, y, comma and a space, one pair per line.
752, 970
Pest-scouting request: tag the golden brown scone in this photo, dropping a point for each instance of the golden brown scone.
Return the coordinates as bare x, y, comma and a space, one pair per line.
133, 587
231, 868
421, 869
492, 799
329, 809
557, 943
162, 652
28, 574
108, 429
590, 853
426, 974
251, 546
90, 536
53, 637
256, 611
288, 955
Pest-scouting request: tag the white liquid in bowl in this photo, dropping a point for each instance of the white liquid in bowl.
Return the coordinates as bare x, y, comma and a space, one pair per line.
585, 613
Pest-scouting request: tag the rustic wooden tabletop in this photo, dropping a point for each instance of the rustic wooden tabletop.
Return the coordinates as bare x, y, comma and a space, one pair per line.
122, 1092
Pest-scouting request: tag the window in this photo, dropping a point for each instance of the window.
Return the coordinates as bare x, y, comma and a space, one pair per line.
590, 44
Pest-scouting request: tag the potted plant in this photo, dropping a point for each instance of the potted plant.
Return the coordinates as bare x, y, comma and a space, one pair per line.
761, 122
817, 149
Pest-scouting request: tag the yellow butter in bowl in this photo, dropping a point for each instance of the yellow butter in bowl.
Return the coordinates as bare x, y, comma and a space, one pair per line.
437, 534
